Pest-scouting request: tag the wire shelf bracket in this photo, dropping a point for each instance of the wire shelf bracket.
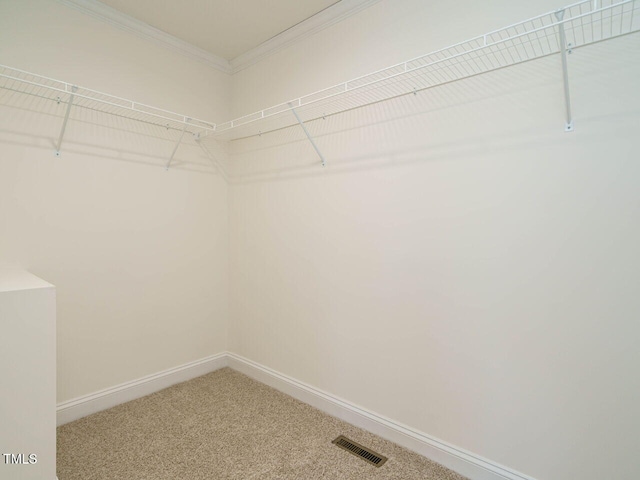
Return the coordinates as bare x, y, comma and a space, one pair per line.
212, 158
306, 132
15, 81
175, 149
74, 89
564, 49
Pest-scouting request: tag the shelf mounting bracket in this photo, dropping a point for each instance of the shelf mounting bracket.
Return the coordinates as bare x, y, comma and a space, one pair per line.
568, 127
212, 158
175, 149
306, 132
74, 89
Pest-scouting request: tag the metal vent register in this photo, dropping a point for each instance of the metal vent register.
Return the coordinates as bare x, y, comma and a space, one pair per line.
360, 451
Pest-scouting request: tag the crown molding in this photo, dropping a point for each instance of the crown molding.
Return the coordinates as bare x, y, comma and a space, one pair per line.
327, 17
114, 17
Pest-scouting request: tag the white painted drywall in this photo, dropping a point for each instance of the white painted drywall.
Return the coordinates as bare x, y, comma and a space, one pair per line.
462, 265
27, 372
138, 254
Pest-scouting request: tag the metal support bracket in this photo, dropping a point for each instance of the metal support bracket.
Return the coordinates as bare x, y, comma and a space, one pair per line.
212, 158
564, 47
308, 134
74, 89
175, 149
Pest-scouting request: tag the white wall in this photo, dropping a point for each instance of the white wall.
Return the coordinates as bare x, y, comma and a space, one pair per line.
138, 255
462, 265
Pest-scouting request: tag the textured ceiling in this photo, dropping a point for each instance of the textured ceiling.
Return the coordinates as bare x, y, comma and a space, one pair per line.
226, 28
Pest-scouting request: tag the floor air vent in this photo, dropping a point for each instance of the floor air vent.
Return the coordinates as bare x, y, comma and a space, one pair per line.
362, 452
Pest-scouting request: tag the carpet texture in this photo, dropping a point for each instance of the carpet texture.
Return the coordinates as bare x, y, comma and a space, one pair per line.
225, 425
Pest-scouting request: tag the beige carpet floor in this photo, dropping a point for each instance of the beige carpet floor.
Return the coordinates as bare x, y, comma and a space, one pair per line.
225, 425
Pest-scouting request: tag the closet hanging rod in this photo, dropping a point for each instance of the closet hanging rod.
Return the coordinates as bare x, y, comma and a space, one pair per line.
584, 22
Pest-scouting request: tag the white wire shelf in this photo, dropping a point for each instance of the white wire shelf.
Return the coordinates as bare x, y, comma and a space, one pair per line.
576, 25
584, 23
27, 83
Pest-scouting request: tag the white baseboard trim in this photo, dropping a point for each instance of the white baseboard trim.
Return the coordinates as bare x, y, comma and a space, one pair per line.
95, 402
464, 462
455, 458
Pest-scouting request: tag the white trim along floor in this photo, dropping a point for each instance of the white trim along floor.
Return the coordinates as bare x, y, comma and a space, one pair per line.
464, 462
